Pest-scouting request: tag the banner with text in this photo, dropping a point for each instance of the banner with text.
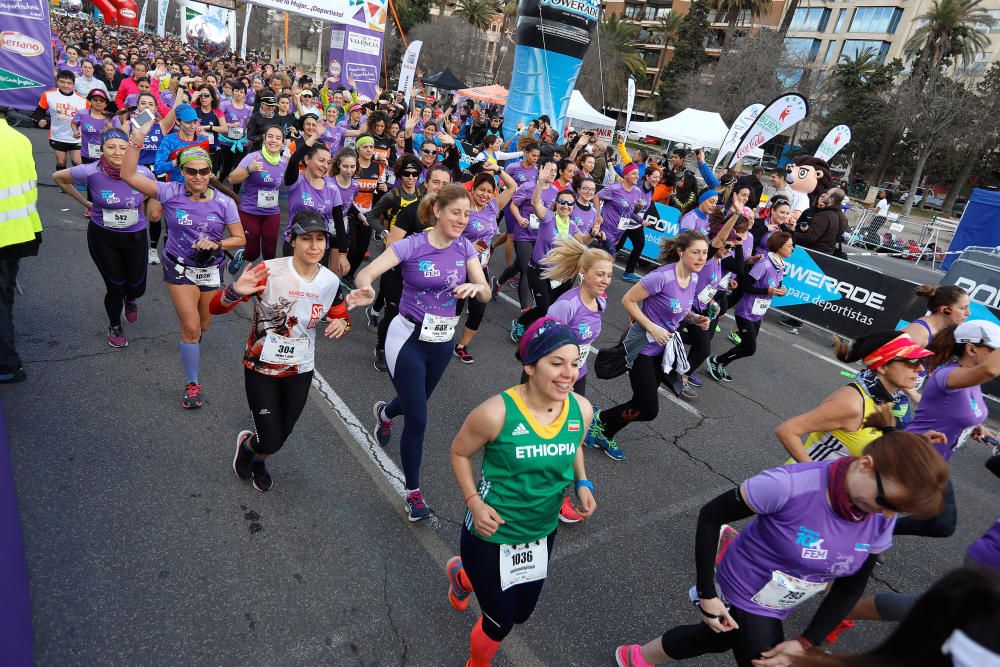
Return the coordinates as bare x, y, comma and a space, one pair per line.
161, 17
835, 140
629, 104
369, 14
978, 273
660, 227
740, 125
408, 69
779, 115
355, 59
25, 53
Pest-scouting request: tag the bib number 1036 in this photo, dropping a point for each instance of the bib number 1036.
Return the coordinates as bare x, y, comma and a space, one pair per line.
521, 563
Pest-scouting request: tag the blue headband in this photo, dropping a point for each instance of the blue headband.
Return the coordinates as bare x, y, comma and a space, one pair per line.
113, 134
706, 194
544, 337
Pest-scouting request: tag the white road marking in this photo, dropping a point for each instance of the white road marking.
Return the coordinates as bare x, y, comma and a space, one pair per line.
824, 358
682, 403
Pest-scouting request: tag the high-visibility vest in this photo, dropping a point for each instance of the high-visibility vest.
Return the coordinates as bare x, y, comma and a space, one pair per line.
19, 221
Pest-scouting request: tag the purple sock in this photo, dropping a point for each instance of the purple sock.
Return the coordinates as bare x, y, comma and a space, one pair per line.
190, 352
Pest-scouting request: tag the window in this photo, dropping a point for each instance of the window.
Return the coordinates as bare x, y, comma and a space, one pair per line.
852, 47
654, 12
840, 21
978, 65
802, 48
993, 25
789, 76
651, 58
633, 12
831, 52
722, 16
876, 19
810, 19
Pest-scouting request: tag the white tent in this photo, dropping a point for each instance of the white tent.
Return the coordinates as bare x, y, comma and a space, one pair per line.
580, 114
701, 129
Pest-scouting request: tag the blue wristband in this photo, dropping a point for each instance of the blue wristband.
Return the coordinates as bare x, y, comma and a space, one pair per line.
585, 483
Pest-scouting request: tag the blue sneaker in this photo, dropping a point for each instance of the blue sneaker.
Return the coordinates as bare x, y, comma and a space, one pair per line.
588, 438
631, 277
516, 331
596, 438
416, 508
237, 262
383, 427
694, 379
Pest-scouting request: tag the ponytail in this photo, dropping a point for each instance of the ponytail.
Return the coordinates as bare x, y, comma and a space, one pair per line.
446, 195
672, 248
940, 296
944, 346
861, 347
568, 258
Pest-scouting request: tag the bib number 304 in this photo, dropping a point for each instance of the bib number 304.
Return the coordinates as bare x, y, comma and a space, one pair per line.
521, 563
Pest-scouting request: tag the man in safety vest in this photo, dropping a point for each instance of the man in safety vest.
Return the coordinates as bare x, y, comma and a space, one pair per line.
20, 235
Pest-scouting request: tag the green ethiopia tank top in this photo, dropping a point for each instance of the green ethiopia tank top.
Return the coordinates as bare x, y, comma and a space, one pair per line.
526, 469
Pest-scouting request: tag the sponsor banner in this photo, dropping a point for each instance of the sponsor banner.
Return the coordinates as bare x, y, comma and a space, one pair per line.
631, 102
355, 59
664, 225
835, 140
779, 115
142, 16
979, 275
246, 25
25, 53
161, 17
740, 125
370, 14
408, 69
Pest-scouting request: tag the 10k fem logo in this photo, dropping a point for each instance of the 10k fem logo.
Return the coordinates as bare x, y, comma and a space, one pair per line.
811, 543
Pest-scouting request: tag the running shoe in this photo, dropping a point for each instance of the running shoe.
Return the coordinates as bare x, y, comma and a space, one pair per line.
631, 277
597, 439
131, 311
416, 508
630, 655
836, 632
383, 427
717, 371
462, 352
792, 324
687, 390
154, 257
243, 458
568, 513
694, 380
459, 586
236, 263
261, 479
495, 288
590, 438
516, 331
735, 337
116, 337
192, 396
374, 316
12, 378
515, 282
718, 329
379, 363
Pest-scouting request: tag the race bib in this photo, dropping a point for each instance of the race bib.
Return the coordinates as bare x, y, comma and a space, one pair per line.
235, 132
438, 329
203, 276
267, 199
210, 139
706, 295
785, 591
760, 305
94, 151
584, 353
625, 224
120, 218
533, 221
285, 351
522, 563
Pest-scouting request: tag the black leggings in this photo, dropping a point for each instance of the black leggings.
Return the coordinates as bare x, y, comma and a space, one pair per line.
227, 162
501, 609
477, 309
748, 341
361, 236
390, 288
543, 301
755, 634
522, 258
638, 238
275, 405
645, 377
121, 259
700, 341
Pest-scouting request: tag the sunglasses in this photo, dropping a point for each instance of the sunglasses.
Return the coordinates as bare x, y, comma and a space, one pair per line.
191, 171
880, 495
426, 151
308, 96
565, 202
728, 246
409, 174
204, 95
912, 363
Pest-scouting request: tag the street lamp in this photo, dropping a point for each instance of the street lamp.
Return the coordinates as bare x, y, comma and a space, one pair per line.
317, 28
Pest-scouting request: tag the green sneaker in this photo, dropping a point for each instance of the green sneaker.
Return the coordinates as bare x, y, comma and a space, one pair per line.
735, 337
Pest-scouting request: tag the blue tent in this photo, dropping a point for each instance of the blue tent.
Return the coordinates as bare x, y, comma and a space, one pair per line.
980, 224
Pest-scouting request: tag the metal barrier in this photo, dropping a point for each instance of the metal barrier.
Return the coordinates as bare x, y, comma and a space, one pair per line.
909, 237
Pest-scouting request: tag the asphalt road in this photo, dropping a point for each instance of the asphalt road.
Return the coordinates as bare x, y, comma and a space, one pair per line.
143, 548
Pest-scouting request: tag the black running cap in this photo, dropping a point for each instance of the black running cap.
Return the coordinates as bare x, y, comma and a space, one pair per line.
308, 221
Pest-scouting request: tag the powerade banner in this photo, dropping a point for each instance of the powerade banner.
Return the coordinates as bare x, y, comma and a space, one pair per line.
551, 38
978, 274
355, 59
25, 53
660, 227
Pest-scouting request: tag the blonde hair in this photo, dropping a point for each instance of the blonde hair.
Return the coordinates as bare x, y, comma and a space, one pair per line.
443, 197
568, 257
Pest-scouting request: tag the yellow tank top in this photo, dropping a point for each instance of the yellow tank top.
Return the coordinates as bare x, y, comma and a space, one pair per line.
839, 442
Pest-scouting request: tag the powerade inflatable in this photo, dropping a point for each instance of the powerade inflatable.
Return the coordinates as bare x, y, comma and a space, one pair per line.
551, 38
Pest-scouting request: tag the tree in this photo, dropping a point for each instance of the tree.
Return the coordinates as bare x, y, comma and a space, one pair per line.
669, 27
477, 13
609, 61
453, 42
947, 31
981, 133
734, 8
689, 56
410, 13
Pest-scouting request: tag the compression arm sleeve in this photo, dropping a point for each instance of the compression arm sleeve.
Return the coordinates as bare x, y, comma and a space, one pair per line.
728, 507
292, 169
340, 223
842, 597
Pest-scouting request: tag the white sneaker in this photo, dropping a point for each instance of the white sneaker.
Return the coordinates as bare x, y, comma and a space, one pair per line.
154, 258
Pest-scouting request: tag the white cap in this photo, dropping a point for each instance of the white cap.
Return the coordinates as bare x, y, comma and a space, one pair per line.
979, 332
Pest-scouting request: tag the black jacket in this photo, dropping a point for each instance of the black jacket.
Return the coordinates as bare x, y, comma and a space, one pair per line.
823, 230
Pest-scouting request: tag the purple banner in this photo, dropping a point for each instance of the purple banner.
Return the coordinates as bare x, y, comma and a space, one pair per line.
355, 59
25, 53
16, 643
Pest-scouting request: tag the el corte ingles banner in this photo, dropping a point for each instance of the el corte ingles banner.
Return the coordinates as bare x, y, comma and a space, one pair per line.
25, 53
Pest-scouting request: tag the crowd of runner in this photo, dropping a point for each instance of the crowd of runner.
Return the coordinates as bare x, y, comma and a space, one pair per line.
398, 210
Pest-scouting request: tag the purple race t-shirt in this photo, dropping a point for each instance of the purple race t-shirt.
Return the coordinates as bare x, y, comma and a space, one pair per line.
430, 275
259, 194
236, 116
548, 230
765, 274
482, 225
584, 217
618, 203
795, 532
188, 221
950, 411
303, 195
694, 219
112, 195
711, 279
522, 200
586, 323
90, 132
522, 174
668, 303
986, 550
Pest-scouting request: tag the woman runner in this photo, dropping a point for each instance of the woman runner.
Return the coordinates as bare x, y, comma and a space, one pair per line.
262, 173
530, 439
